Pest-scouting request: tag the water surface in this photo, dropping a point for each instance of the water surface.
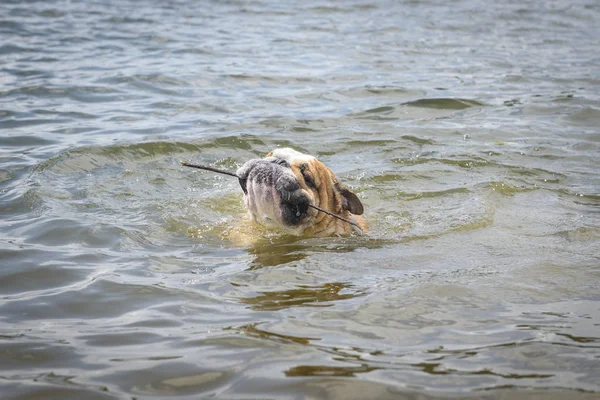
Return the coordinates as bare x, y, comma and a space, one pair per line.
468, 129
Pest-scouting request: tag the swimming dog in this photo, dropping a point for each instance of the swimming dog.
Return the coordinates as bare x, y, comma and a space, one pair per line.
298, 194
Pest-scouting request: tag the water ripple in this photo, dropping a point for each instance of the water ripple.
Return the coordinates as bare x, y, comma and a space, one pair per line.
468, 130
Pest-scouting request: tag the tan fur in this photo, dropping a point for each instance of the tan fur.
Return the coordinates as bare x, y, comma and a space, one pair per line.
329, 194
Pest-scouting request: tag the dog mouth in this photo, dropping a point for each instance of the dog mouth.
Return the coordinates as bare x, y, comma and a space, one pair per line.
272, 193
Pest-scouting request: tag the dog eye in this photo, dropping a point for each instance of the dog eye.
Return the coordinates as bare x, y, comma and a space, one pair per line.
282, 162
307, 176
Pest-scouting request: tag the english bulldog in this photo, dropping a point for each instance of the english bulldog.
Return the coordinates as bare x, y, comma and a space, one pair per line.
299, 195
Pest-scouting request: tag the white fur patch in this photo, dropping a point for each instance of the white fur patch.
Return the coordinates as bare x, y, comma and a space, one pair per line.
290, 155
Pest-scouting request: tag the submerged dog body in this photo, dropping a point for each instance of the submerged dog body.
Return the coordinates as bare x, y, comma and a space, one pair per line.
281, 190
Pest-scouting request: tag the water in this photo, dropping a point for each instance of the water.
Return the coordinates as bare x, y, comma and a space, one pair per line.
469, 129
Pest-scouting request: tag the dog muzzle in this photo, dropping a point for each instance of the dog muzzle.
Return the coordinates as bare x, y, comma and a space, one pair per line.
272, 193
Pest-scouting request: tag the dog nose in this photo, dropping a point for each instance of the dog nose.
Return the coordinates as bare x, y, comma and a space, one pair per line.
301, 208
294, 208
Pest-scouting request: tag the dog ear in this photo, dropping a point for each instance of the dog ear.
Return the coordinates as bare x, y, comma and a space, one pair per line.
350, 201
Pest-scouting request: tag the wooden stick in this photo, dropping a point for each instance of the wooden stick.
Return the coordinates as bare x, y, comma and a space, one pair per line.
336, 216
218, 171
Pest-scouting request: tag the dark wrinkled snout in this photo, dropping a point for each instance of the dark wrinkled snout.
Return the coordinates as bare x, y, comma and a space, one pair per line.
294, 202
272, 192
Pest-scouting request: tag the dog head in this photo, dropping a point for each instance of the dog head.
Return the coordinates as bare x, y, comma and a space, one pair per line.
280, 188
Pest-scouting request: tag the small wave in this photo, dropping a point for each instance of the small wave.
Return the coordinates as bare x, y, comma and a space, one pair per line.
129, 20
444, 103
462, 162
587, 116
85, 159
387, 92
14, 49
444, 106
87, 94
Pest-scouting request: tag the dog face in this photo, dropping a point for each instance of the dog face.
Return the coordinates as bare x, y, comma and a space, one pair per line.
279, 188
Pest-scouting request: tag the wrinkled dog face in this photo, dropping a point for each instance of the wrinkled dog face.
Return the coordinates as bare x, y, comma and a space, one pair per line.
279, 189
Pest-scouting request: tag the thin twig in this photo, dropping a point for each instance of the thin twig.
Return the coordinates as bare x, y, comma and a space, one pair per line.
336, 216
218, 171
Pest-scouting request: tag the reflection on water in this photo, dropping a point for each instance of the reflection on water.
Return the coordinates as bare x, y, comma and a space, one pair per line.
323, 370
321, 296
253, 331
468, 129
275, 249
278, 250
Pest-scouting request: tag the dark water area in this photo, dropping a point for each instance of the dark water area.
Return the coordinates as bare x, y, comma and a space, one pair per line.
469, 129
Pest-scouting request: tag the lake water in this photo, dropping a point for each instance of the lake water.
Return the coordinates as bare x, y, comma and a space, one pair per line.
469, 129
